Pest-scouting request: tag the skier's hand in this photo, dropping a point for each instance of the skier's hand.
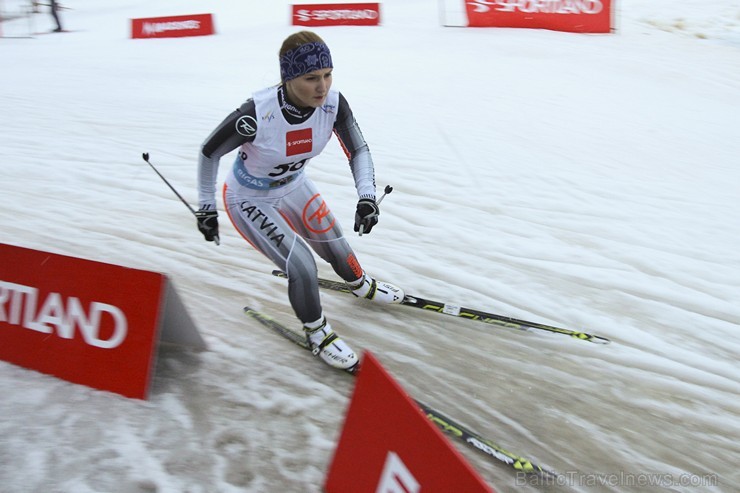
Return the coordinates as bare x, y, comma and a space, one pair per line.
208, 223
366, 216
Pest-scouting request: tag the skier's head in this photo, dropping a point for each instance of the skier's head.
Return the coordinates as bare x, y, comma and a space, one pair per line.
305, 68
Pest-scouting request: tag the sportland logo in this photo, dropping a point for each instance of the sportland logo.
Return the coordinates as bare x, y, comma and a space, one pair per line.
575, 16
305, 15
88, 322
153, 28
298, 141
173, 26
540, 6
19, 305
336, 14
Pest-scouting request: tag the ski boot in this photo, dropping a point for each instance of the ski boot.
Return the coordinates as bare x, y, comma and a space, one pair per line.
328, 346
377, 291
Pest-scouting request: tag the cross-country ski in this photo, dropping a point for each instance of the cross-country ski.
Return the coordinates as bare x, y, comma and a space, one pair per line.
445, 423
469, 313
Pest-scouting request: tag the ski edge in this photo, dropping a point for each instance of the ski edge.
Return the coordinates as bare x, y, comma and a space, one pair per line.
446, 424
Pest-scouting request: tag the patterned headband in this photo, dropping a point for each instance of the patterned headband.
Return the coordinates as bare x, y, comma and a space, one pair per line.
304, 59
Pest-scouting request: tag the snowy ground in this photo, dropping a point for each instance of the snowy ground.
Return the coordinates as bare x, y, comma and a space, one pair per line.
586, 181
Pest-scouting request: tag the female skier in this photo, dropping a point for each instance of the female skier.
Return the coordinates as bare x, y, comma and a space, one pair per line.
275, 206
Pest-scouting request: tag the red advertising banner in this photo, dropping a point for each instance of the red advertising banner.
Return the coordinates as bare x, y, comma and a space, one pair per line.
173, 27
337, 14
578, 16
87, 322
388, 444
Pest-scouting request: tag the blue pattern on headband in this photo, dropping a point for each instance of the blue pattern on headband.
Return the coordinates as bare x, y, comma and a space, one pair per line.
304, 59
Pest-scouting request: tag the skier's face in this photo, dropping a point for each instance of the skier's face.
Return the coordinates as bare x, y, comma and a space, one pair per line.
310, 90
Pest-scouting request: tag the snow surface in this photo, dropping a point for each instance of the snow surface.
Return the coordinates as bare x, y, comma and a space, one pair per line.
585, 181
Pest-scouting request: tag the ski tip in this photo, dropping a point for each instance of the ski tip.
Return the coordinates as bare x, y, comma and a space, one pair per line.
548, 473
598, 339
250, 311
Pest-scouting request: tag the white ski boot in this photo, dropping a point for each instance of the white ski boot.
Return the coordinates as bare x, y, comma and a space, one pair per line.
328, 346
377, 291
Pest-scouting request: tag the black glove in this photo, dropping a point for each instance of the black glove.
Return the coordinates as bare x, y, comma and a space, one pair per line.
208, 223
366, 216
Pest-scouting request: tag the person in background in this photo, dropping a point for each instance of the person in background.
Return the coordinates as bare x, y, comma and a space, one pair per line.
54, 7
272, 202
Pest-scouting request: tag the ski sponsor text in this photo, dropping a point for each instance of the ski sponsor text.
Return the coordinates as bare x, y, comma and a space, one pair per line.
54, 314
578, 16
339, 14
173, 26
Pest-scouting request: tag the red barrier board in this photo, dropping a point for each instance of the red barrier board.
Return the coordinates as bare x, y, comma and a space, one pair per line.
173, 27
578, 16
388, 444
87, 322
336, 14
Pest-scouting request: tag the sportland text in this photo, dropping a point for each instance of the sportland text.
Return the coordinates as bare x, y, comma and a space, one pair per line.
20, 305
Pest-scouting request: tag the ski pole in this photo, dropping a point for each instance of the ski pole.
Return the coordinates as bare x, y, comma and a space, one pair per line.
388, 189
145, 156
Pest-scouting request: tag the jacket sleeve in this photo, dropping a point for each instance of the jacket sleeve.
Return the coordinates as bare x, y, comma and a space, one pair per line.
236, 129
360, 160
